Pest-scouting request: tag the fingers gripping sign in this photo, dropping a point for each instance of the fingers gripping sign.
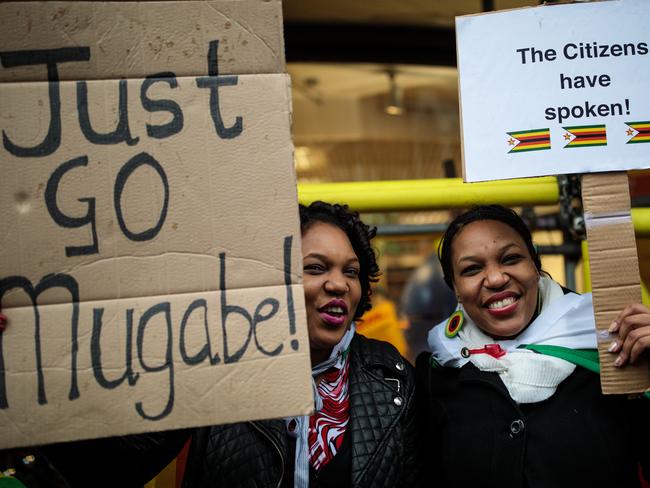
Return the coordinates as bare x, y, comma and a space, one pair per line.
633, 329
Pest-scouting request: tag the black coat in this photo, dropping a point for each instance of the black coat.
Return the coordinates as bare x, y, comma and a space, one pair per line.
578, 437
257, 454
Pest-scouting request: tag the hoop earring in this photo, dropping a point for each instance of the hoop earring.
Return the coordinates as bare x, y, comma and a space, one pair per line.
454, 324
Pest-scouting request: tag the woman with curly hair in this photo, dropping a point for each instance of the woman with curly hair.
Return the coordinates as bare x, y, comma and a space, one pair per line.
362, 433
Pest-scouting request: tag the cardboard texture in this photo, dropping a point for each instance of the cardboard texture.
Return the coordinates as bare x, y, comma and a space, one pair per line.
614, 272
150, 261
135, 40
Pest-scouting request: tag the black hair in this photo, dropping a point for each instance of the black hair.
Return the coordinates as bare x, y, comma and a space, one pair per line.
483, 212
359, 234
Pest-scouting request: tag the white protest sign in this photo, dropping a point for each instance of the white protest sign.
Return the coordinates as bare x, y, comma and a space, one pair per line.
150, 247
555, 90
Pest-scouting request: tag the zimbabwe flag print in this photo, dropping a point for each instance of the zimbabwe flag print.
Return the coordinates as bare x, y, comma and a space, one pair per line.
529, 140
585, 136
642, 130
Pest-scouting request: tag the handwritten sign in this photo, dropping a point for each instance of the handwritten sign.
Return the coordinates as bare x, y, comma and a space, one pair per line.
149, 256
541, 97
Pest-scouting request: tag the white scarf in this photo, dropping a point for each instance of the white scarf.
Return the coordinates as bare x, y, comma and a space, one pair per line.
564, 320
301, 431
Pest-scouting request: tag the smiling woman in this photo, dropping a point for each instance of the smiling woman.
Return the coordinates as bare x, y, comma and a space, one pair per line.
495, 278
332, 287
354, 378
510, 387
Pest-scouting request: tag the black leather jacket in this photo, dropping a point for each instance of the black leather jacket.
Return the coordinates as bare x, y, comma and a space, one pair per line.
257, 454
382, 429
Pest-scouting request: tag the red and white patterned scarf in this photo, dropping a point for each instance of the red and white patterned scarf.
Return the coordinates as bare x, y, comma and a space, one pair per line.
327, 426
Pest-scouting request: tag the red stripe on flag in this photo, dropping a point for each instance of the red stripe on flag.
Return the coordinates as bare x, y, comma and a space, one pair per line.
535, 138
528, 144
589, 138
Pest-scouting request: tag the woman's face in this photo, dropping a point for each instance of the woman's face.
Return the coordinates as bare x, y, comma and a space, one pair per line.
332, 287
495, 277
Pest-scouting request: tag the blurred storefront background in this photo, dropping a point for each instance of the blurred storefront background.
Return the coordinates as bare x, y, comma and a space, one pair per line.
375, 99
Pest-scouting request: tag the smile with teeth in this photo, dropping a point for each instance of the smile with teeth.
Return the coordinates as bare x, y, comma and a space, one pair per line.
333, 310
502, 303
334, 313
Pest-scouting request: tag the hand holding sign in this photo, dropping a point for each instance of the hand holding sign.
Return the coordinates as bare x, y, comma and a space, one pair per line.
633, 329
533, 85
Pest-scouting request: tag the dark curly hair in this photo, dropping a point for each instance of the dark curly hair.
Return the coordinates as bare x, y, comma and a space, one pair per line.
483, 212
359, 234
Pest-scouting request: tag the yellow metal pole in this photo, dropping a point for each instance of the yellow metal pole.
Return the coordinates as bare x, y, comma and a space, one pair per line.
443, 193
374, 196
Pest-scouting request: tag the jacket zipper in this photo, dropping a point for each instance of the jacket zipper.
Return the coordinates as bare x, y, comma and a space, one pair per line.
367, 369
277, 448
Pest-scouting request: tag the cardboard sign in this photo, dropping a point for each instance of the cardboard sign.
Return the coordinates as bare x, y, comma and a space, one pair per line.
149, 255
555, 90
614, 269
